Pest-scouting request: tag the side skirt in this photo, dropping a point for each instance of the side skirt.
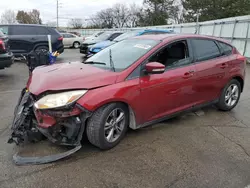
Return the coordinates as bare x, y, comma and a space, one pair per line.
194, 108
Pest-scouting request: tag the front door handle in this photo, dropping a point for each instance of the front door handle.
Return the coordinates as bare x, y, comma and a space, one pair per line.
188, 74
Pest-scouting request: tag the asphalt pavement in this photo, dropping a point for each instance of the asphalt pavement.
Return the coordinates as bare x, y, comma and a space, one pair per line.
209, 149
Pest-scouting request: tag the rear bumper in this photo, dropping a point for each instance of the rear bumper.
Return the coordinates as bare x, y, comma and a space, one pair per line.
6, 60
60, 49
83, 49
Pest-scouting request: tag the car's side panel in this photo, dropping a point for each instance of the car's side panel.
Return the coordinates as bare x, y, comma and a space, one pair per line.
167, 93
212, 73
127, 92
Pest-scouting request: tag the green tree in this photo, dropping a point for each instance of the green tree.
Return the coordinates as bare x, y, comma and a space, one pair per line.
214, 9
32, 17
157, 12
23, 17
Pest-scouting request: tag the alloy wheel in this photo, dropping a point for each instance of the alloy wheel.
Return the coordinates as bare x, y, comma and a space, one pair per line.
232, 95
114, 125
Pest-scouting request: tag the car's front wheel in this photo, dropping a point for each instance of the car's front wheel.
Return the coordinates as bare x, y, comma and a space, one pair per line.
108, 125
230, 96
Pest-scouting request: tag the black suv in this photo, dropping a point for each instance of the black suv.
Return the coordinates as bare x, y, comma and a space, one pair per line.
6, 57
24, 38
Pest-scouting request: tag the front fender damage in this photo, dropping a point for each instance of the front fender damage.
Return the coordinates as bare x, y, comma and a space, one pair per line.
66, 128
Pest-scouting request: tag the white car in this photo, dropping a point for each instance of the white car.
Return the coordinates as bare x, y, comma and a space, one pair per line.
71, 40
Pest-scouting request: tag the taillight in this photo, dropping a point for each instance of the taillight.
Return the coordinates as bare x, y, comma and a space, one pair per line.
241, 58
60, 38
2, 45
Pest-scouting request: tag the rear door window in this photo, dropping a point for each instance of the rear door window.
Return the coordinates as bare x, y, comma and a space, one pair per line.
226, 49
205, 49
23, 30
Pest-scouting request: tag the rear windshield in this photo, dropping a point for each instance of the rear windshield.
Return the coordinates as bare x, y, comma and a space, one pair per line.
126, 35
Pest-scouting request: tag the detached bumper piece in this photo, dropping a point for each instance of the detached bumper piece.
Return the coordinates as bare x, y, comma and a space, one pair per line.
62, 127
18, 160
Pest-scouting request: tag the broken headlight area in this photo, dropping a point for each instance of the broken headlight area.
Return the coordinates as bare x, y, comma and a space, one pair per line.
62, 126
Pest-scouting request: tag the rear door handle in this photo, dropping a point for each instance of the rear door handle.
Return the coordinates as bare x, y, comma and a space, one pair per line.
223, 65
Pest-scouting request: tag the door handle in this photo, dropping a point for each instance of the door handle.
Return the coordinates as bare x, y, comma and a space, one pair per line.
188, 74
223, 65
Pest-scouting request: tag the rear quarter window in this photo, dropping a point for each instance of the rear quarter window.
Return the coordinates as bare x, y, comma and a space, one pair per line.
225, 48
205, 49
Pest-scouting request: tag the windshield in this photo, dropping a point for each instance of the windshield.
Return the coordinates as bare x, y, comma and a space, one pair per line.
126, 35
123, 53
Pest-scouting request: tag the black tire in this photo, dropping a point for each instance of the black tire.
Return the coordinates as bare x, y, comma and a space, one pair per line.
95, 126
45, 48
76, 45
221, 105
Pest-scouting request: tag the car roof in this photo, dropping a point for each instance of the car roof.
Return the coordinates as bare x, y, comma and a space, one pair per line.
175, 36
159, 30
38, 25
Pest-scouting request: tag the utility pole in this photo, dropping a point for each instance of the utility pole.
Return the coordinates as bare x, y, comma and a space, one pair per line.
57, 6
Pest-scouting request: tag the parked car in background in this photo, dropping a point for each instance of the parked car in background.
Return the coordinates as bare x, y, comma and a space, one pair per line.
6, 57
135, 83
23, 38
97, 34
75, 33
107, 35
72, 40
93, 49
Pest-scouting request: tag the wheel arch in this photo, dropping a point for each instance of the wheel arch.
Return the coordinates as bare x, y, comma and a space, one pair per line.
240, 80
132, 115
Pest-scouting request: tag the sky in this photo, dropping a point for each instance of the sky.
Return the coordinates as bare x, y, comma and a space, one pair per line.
67, 8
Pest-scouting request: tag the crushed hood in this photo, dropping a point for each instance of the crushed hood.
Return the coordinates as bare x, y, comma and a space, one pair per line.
67, 76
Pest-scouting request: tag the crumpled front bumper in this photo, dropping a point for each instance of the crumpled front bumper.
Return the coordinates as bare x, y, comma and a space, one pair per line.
61, 126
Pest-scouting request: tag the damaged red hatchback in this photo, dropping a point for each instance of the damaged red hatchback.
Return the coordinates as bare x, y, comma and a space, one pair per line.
131, 84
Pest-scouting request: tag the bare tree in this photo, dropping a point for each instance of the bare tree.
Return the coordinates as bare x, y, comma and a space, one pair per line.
134, 15
8, 17
120, 15
35, 16
75, 23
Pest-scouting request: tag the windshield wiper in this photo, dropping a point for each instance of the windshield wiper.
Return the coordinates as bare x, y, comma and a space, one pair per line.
94, 62
111, 60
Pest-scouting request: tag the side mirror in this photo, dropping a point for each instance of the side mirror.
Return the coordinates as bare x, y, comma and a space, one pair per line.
155, 68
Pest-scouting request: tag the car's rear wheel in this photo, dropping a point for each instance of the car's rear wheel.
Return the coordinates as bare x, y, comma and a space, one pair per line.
76, 44
230, 96
108, 125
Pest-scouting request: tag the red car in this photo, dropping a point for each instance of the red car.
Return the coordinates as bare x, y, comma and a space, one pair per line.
132, 84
